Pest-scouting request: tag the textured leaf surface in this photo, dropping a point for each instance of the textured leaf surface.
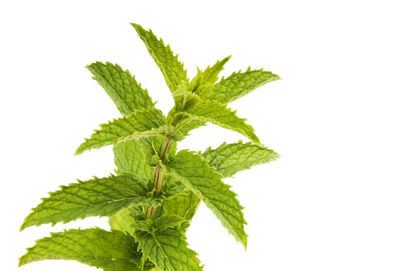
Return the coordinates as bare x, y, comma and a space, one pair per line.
173, 70
110, 133
190, 125
205, 80
133, 156
111, 251
228, 159
160, 224
96, 197
123, 221
163, 131
167, 221
239, 84
219, 114
168, 250
185, 99
121, 86
195, 173
171, 187
183, 205
210, 74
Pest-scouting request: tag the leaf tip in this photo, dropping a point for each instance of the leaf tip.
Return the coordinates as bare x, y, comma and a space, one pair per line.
27, 223
276, 77
21, 261
243, 240
82, 148
245, 245
79, 151
137, 27
23, 227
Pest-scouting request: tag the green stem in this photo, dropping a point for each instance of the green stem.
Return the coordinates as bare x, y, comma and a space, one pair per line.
159, 176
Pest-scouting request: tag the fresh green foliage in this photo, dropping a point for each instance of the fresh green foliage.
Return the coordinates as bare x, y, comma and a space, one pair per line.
156, 190
112, 251
205, 80
134, 156
173, 70
195, 173
239, 84
97, 197
167, 249
121, 86
219, 114
228, 159
183, 205
137, 123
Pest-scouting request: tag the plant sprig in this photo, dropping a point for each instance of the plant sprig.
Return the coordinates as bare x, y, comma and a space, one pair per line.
155, 193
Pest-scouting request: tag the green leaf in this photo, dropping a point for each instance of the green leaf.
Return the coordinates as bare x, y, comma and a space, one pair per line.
139, 156
228, 159
210, 74
195, 173
167, 221
190, 124
173, 70
239, 84
168, 250
143, 225
201, 85
159, 224
139, 121
133, 156
96, 197
165, 131
171, 188
111, 251
184, 99
121, 86
123, 221
205, 80
219, 114
184, 205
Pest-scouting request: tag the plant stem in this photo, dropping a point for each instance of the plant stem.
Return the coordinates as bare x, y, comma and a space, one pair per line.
159, 176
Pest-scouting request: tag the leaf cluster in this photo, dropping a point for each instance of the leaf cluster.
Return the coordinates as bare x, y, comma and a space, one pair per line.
156, 190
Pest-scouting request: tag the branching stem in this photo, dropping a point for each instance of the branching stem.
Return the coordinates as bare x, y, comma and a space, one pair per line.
159, 176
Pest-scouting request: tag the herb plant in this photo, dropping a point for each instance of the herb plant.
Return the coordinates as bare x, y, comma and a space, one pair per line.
155, 191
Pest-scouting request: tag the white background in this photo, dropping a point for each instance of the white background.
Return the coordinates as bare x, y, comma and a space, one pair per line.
330, 203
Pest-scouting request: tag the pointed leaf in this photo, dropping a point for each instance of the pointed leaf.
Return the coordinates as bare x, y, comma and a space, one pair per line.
210, 74
228, 159
205, 80
168, 250
219, 114
96, 197
111, 251
121, 86
239, 84
195, 173
173, 70
110, 133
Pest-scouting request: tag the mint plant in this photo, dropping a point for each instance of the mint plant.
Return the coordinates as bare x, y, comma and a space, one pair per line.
156, 190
